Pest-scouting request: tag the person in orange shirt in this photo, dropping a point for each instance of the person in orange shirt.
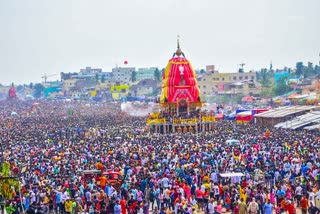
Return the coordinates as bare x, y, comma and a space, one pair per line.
103, 182
283, 203
304, 205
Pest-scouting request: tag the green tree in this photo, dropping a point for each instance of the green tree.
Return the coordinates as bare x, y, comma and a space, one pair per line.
20, 88
299, 69
133, 77
103, 78
264, 77
317, 70
157, 75
267, 92
31, 85
202, 71
97, 77
282, 86
310, 70
38, 90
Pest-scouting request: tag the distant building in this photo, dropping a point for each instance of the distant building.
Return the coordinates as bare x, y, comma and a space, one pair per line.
145, 73
211, 69
226, 83
122, 74
89, 70
69, 85
145, 87
105, 76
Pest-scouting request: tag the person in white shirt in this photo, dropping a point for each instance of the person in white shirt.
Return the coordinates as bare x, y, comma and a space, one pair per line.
214, 177
298, 194
211, 206
311, 198
33, 197
165, 182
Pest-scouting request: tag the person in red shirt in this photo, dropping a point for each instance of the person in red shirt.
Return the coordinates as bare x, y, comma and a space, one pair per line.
304, 205
205, 198
199, 198
123, 204
289, 207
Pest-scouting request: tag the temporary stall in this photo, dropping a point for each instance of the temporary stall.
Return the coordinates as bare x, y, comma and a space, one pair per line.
219, 116
232, 174
244, 117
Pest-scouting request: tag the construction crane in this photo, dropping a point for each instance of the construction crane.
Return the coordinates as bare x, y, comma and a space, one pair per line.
45, 77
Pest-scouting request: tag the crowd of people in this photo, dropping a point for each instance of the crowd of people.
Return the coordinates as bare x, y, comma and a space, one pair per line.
48, 144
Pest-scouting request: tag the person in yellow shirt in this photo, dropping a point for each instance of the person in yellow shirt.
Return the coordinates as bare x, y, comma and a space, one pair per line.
243, 194
68, 206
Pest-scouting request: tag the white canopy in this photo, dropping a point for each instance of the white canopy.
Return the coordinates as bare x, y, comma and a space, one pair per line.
232, 174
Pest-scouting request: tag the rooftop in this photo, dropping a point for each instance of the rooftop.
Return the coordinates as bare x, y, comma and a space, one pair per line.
285, 111
301, 121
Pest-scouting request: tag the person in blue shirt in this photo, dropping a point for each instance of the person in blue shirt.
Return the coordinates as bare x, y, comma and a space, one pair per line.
143, 185
268, 208
117, 208
279, 194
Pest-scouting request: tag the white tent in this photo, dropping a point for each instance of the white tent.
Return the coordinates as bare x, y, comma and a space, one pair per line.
231, 174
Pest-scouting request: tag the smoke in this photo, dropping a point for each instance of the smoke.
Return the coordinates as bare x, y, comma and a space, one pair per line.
137, 109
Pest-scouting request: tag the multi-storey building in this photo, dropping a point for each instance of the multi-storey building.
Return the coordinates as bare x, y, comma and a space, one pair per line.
122, 74
89, 70
145, 73
224, 83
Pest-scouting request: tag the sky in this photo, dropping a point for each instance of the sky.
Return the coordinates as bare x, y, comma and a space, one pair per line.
51, 36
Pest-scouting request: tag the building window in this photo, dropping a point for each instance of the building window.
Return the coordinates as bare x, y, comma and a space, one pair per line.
234, 78
240, 78
246, 77
204, 86
218, 79
252, 77
222, 78
204, 92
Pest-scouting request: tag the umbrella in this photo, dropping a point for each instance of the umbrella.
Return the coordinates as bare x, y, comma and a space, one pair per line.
309, 165
247, 99
28, 96
259, 182
14, 114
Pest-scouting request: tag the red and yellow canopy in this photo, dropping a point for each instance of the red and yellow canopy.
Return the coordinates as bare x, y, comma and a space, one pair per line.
179, 82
